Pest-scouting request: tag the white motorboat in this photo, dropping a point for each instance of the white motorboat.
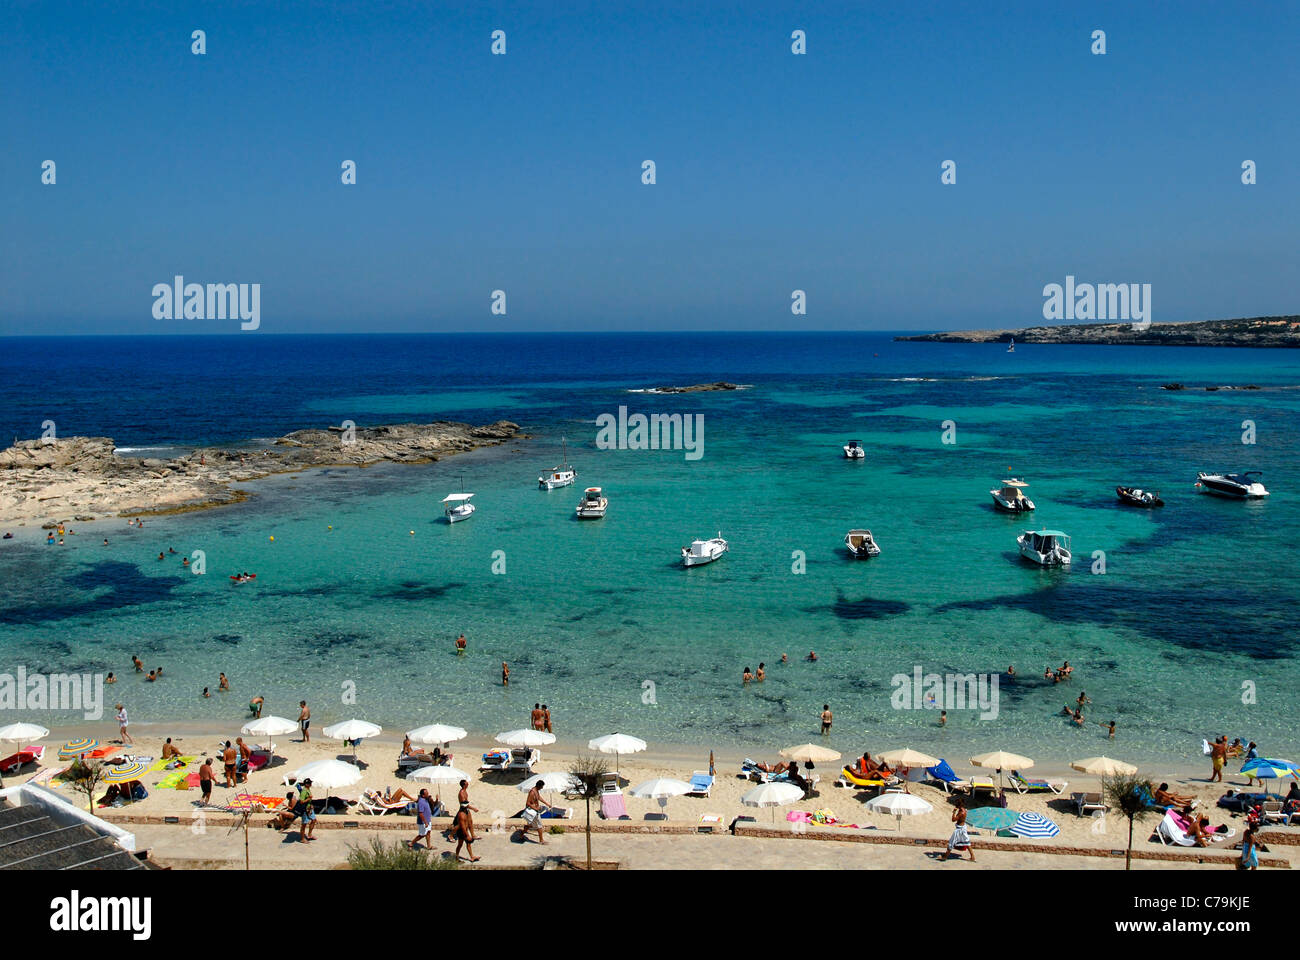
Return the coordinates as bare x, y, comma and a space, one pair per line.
861, 544
456, 506
593, 504
1240, 486
703, 551
1048, 548
560, 476
1010, 496
853, 451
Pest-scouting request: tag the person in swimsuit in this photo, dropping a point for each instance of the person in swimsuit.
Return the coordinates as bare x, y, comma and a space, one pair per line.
537, 716
826, 718
229, 757
505, 674
462, 829
761, 675
746, 676
546, 719
1218, 756
960, 839
223, 683
169, 750
534, 803
304, 721
122, 724
460, 645
206, 777
255, 706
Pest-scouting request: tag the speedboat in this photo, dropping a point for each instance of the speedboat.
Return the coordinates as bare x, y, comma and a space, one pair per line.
853, 451
456, 506
1238, 485
1135, 497
861, 544
1010, 497
703, 551
1047, 548
592, 505
560, 476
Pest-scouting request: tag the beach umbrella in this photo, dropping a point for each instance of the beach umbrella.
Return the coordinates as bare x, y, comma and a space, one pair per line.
326, 774
991, 818
908, 758
616, 743
1001, 760
436, 733
352, 731
556, 782
775, 793
1034, 826
75, 748
124, 772
661, 788
1103, 767
436, 773
20, 732
1262, 769
268, 727
809, 753
525, 738
898, 805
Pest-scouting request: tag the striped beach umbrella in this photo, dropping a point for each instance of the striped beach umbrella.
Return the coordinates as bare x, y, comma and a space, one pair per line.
1034, 826
125, 772
1262, 769
75, 748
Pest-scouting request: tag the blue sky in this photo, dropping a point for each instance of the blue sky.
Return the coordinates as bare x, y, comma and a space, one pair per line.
522, 172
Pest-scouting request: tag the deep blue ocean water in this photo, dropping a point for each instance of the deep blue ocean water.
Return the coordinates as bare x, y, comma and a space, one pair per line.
1198, 598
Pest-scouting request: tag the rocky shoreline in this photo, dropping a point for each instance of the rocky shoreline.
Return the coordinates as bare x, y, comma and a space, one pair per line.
1242, 332
82, 477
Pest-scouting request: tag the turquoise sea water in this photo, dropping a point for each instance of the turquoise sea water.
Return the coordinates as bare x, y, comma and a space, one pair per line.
1197, 598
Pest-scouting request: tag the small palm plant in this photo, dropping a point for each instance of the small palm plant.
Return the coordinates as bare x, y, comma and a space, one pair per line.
1128, 794
587, 772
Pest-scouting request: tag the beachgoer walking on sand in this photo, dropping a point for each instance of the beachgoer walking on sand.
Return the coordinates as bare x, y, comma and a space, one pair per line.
229, 756
206, 776
534, 803
960, 839
826, 719
424, 818
306, 811
304, 721
122, 724
461, 829
546, 719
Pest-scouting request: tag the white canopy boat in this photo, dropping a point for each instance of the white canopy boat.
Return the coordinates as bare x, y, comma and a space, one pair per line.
1010, 497
861, 544
1047, 548
456, 506
560, 476
703, 551
593, 504
853, 451
1239, 486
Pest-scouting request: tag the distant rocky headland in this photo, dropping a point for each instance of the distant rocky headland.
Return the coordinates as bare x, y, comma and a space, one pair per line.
82, 477
1243, 332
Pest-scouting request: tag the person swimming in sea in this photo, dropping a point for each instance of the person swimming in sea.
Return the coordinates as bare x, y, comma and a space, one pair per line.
746, 676
460, 645
812, 656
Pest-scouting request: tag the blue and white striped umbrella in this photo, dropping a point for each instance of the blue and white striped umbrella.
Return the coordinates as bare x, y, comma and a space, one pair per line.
1034, 825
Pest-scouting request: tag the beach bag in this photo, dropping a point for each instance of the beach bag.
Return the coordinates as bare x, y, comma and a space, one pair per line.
531, 816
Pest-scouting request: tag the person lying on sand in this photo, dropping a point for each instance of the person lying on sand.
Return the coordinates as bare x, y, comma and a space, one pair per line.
1165, 797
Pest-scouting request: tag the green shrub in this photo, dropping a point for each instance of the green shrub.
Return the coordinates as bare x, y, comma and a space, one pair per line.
397, 855
556, 828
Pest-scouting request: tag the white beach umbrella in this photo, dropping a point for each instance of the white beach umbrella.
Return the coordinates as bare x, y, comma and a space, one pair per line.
22, 732
898, 805
809, 753
525, 738
1001, 760
435, 773
436, 733
1103, 767
353, 730
773, 794
661, 788
268, 727
907, 757
617, 744
326, 774
555, 782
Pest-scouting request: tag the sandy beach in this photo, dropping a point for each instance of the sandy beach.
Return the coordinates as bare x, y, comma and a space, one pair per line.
860, 839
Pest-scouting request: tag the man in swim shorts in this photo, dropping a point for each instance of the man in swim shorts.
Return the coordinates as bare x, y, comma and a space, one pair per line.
304, 721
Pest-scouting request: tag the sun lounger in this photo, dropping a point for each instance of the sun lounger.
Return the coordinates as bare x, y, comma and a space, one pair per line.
942, 773
374, 805
613, 806
522, 760
1026, 785
414, 761
1170, 832
609, 784
980, 785
1086, 804
850, 779
12, 764
495, 760
701, 783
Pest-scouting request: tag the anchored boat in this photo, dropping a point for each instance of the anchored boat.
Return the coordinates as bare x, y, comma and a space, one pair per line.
853, 451
704, 551
560, 476
1011, 497
1136, 497
861, 544
1047, 548
1239, 486
593, 504
456, 506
